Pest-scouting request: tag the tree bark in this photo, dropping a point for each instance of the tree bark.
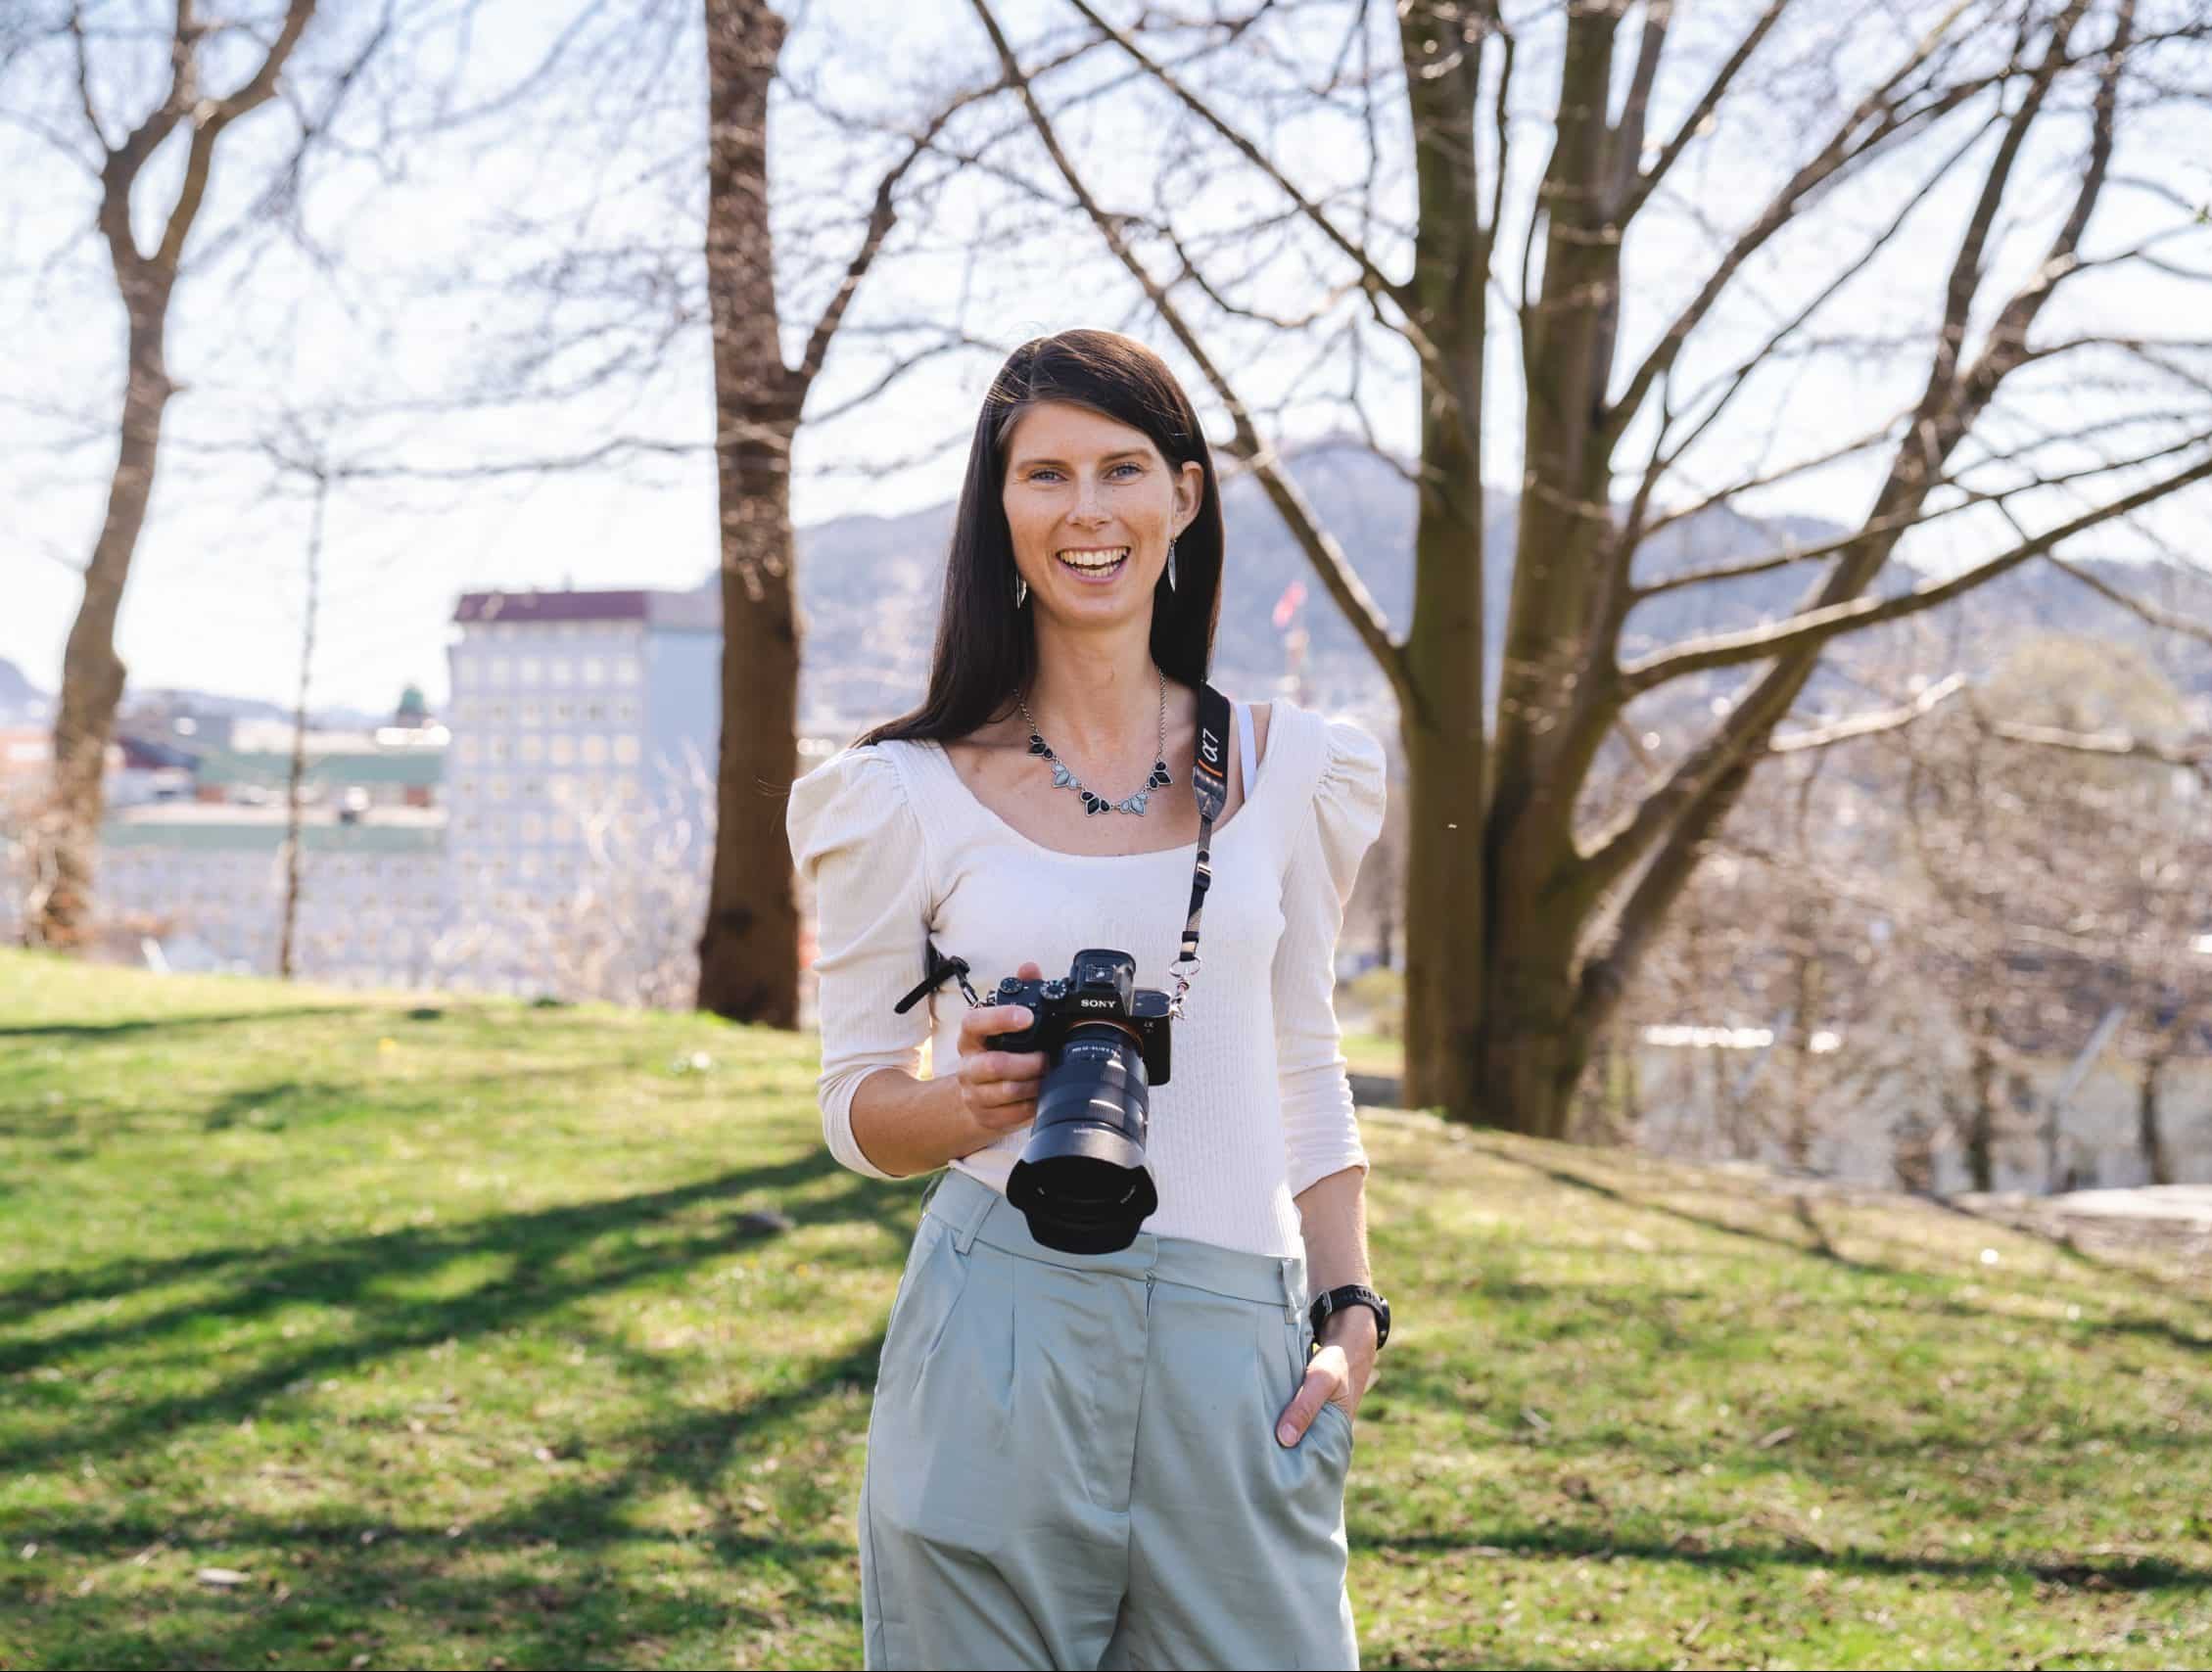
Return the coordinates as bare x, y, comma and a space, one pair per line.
749, 945
1441, 726
92, 674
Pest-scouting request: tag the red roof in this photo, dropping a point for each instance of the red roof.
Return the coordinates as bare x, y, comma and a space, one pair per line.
618, 606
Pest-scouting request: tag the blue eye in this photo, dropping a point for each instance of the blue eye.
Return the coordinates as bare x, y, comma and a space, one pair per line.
1043, 471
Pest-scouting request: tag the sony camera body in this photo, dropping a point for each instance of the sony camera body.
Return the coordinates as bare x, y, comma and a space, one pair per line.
1082, 1182
1101, 986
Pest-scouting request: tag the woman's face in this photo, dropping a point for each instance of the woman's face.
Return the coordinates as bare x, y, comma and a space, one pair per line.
1092, 506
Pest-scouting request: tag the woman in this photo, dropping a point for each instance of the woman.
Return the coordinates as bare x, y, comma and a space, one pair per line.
1124, 1458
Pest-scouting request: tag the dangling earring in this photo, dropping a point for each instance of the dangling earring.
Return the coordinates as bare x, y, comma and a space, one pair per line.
1021, 592
1171, 566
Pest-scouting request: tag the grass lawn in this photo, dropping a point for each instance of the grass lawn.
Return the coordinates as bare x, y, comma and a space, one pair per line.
344, 1331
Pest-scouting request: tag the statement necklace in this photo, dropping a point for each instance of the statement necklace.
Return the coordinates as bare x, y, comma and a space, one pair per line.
1094, 803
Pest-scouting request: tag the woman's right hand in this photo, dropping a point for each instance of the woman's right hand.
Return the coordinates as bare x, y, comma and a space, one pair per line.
998, 1089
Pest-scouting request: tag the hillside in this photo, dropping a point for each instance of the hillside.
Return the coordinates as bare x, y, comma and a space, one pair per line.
870, 584
348, 1329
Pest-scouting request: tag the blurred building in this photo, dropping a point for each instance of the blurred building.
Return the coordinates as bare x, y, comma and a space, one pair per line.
585, 734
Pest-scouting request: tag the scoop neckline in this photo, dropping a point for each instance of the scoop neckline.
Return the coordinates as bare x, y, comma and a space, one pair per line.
1257, 786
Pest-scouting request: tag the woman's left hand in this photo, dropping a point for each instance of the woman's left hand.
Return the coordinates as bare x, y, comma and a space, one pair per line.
1340, 1372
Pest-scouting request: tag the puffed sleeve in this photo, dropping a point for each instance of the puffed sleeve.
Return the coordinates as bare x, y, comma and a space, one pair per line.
1321, 1134
856, 839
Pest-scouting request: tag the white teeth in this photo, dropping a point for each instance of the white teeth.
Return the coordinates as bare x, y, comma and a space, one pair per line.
1093, 559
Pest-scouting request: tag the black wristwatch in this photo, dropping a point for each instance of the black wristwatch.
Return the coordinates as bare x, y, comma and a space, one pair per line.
1351, 1294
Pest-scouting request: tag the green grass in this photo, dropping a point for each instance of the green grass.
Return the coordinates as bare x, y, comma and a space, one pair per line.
1374, 1053
444, 1326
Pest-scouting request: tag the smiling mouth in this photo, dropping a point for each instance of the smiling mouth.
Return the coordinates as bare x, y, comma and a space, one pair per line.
1102, 562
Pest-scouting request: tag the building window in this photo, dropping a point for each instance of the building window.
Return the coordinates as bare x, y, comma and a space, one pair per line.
594, 713
529, 672
533, 789
498, 713
502, 670
464, 751
558, 787
626, 712
627, 671
532, 747
532, 828
499, 788
564, 711
625, 750
595, 670
594, 749
495, 748
561, 748
562, 671
530, 714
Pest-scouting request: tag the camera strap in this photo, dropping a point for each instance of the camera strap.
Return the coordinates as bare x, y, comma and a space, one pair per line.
1209, 779
1209, 782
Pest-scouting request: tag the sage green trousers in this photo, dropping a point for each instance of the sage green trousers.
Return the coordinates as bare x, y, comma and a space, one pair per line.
1072, 1461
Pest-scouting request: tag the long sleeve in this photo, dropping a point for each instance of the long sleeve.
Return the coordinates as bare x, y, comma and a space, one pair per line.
1321, 1133
856, 839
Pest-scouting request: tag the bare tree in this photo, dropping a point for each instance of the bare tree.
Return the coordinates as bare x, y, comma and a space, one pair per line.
296, 773
749, 942
139, 111
1957, 157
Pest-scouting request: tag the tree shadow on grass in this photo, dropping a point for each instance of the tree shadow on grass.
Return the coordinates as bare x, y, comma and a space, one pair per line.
1820, 1247
125, 1027
358, 1560
351, 1273
1693, 1549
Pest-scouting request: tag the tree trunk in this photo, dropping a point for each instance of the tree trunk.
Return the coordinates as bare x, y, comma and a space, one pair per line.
295, 782
1442, 728
92, 674
2149, 1129
1981, 1108
749, 945
1537, 1036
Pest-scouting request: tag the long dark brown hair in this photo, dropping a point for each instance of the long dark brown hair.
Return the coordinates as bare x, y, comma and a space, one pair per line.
986, 653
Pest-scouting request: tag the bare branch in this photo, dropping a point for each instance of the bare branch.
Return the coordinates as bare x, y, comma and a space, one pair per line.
2124, 743
1648, 181
85, 74
2150, 613
1373, 280
882, 215
208, 129
1322, 550
1815, 626
1866, 725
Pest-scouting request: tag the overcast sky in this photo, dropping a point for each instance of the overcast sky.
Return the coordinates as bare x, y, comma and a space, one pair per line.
415, 291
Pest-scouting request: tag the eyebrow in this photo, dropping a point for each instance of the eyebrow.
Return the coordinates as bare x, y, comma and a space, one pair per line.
1109, 458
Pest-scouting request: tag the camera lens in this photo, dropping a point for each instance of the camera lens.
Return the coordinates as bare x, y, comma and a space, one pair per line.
1081, 1181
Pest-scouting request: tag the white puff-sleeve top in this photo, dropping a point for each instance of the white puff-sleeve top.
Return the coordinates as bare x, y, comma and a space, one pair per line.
1256, 1105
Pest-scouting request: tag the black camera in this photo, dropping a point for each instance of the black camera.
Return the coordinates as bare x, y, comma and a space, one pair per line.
1081, 1181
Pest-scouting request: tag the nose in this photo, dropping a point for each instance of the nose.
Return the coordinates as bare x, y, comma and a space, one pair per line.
1087, 509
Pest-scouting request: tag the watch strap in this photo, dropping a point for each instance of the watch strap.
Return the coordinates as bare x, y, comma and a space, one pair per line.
1352, 1294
